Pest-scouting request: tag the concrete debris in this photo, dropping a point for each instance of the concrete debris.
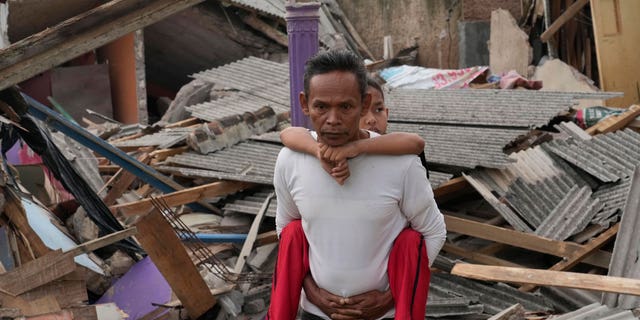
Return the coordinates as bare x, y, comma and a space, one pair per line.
82, 227
228, 131
194, 92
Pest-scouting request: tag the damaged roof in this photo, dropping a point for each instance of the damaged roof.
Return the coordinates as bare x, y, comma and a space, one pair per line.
494, 108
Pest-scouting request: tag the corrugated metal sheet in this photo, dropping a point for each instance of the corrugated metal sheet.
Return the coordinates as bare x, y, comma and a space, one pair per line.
437, 178
202, 173
501, 108
571, 215
252, 203
535, 201
607, 157
614, 196
272, 7
273, 136
572, 130
531, 166
505, 211
327, 29
625, 261
463, 147
568, 299
495, 298
259, 77
165, 138
443, 303
597, 311
232, 105
532, 185
250, 83
249, 161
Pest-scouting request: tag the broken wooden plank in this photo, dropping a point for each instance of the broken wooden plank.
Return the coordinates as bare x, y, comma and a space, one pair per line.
163, 154
15, 211
514, 312
66, 292
122, 184
548, 278
272, 33
184, 123
477, 256
43, 305
80, 34
101, 242
184, 196
108, 169
251, 236
567, 15
523, 240
267, 238
36, 273
576, 257
451, 189
614, 123
161, 243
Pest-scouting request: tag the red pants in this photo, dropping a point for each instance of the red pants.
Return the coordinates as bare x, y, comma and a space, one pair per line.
408, 272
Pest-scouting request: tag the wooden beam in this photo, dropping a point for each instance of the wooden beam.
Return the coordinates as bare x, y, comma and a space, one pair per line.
96, 244
185, 123
184, 196
477, 256
163, 154
516, 311
523, 240
36, 273
161, 243
18, 217
251, 236
548, 278
562, 19
122, 184
108, 169
267, 238
576, 257
85, 32
451, 188
66, 292
614, 123
272, 33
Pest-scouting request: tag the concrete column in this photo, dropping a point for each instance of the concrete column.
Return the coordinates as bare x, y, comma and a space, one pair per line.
302, 28
120, 57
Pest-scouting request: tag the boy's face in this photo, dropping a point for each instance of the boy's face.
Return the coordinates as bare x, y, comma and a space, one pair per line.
376, 118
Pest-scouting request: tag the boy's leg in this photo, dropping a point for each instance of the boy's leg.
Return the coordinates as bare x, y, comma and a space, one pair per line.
291, 268
409, 275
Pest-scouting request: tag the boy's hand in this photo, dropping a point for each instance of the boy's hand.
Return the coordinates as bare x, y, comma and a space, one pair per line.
340, 172
337, 154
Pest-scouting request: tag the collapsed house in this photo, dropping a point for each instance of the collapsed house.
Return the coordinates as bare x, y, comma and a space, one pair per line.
175, 219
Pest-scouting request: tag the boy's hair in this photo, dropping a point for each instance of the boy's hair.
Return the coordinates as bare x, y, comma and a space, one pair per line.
335, 60
372, 82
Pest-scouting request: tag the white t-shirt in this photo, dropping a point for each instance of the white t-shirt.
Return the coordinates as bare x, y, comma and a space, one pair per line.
351, 228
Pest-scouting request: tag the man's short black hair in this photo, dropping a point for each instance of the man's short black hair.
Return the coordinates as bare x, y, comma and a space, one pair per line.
335, 60
372, 82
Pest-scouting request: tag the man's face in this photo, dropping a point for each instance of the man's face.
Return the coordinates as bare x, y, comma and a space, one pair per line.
376, 118
335, 106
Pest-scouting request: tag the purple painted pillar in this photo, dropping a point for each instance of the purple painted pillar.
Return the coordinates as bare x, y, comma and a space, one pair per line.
302, 27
